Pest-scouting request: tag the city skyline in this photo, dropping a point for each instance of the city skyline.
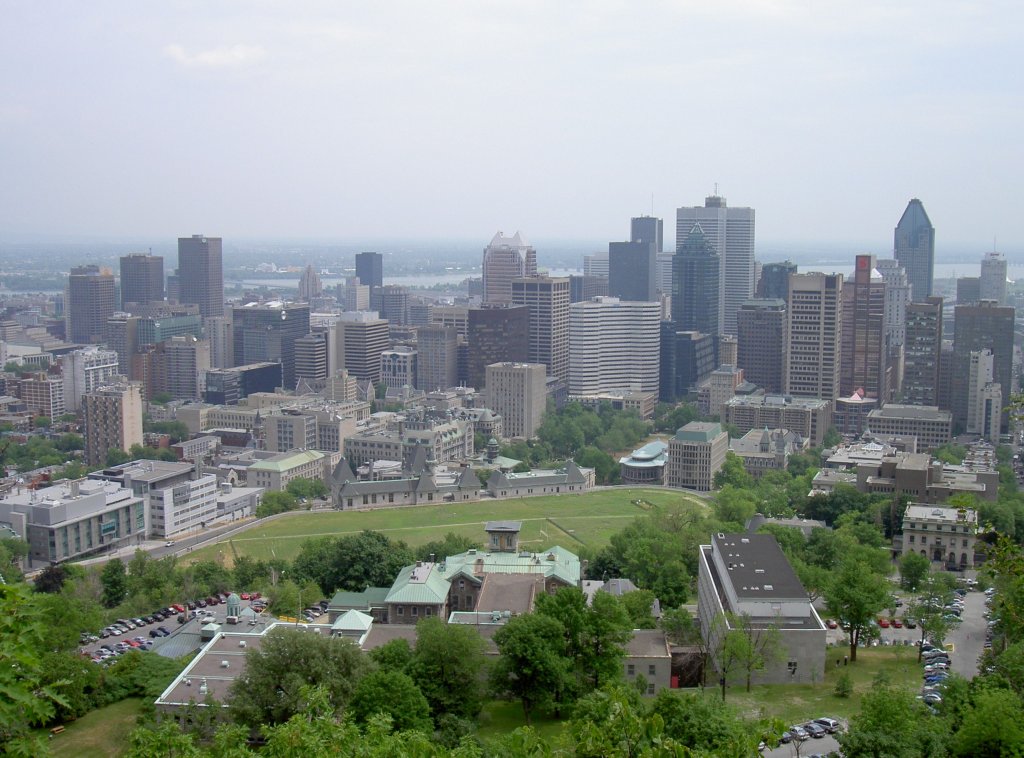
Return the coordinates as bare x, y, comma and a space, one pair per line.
394, 103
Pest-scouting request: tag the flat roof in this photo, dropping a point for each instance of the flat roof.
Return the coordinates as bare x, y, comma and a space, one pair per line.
757, 567
922, 412
699, 431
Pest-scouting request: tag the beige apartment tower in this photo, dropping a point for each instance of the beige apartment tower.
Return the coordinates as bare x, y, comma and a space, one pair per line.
518, 391
547, 301
113, 419
813, 333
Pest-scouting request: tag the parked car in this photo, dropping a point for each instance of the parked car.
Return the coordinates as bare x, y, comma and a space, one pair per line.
829, 725
799, 733
831, 623
884, 623
897, 624
816, 730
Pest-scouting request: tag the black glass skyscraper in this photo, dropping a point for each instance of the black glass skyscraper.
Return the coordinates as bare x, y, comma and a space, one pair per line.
914, 248
695, 283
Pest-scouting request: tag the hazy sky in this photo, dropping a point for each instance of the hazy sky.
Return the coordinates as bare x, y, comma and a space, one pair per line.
562, 119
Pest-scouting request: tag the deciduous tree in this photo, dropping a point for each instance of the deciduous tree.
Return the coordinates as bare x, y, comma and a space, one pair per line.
531, 666
854, 597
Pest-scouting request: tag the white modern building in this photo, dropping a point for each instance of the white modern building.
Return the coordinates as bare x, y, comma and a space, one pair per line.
505, 259
984, 397
613, 345
993, 278
85, 371
518, 391
731, 232
73, 519
897, 296
186, 507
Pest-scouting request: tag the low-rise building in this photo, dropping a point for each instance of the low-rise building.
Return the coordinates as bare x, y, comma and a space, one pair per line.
932, 427
275, 472
74, 519
767, 450
695, 454
850, 415
569, 478
648, 655
943, 535
641, 403
807, 416
645, 465
744, 581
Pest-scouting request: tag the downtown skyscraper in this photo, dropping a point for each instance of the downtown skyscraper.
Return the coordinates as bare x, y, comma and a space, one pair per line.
201, 274
914, 246
505, 259
731, 233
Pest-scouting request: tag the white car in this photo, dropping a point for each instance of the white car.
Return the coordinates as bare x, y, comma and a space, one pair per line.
169, 543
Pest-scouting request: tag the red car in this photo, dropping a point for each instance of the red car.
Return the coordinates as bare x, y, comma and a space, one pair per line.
884, 623
832, 624
244, 596
897, 624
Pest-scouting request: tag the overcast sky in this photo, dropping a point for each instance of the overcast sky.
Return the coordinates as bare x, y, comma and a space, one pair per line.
562, 119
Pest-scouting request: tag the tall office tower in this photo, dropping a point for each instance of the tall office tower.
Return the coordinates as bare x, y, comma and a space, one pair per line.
113, 420
268, 332
813, 335
993, 278
977, 327
596, 265
398, 367
897, 296
864, 347
915, 249
222, 341
437, 362
773, 283
310, 285
179, 367
633, 271
122, 338
370, 269
394, 304
88, 304
505, 259
547, 301
614, 345
648, 229
922, 352
153, 329
354, 295
173, 288
946, 360
359, 337
518, 392
696, 301
142, 278
687, 358
761, 337
587, 287
663, 279
983, 395
84, 371
420, 312
311, 356
495, 334
455, 316
731, 233
968, 290
201, 274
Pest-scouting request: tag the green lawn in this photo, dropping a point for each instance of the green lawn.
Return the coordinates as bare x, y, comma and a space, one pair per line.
567, 520
99, 734
794, 703
499, 718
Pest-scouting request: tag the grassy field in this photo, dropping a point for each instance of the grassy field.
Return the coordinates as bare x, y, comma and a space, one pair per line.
500, 717
567, 520
794, 703
99, 734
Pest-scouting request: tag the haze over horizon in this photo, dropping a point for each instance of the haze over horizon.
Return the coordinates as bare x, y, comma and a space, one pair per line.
450, 121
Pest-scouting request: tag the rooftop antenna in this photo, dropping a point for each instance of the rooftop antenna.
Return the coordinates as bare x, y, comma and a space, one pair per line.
716, 189
652, 203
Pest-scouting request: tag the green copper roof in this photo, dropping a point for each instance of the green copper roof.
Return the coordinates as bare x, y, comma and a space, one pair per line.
287, 461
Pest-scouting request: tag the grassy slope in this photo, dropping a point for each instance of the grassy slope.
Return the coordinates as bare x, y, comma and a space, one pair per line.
99, 734
567, 520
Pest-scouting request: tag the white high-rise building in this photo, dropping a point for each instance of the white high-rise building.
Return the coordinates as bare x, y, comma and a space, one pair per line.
731, 232
613, 345
505, 259
897, 295
518, 391
84, 371
222, 341
596, 264
993, 278
984, 397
